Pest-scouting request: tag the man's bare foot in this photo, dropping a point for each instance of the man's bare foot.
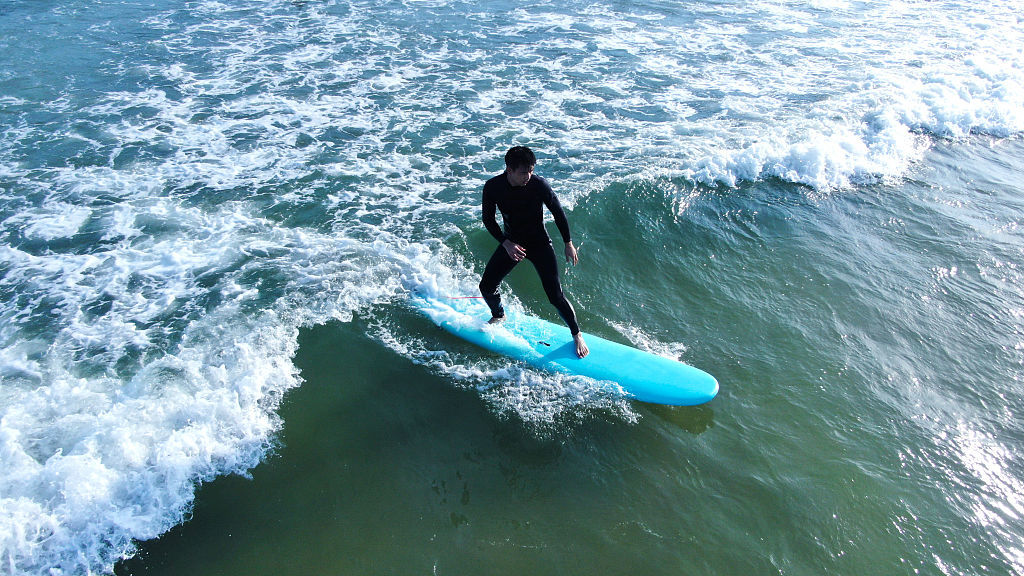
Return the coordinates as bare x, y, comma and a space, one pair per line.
581, 346
496, 320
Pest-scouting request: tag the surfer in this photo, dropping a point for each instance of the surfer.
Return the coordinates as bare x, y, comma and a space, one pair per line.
521, 196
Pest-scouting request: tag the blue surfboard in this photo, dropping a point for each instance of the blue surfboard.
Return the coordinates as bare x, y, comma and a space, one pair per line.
644, 376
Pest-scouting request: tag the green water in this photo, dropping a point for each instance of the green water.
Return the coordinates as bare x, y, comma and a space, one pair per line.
860, 390
212, 213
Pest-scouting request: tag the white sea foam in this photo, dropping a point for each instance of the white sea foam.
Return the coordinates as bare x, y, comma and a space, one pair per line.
59, 220
99, 461
99, 452
542, 400
642, 340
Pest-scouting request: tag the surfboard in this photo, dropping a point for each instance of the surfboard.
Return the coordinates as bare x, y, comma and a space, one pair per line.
641, 375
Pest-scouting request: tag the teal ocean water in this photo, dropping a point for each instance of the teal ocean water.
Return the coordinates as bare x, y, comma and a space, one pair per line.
212, 214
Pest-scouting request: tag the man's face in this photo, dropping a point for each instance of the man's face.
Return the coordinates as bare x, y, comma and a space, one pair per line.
519, 175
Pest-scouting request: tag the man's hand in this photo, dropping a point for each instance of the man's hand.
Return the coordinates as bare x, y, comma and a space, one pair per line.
570, 253
515, 251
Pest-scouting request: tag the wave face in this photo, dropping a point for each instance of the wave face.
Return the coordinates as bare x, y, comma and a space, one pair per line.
184, 186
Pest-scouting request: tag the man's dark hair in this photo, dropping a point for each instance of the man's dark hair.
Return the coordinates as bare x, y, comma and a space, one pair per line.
520, 156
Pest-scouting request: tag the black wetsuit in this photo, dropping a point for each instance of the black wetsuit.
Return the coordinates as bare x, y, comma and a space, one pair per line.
522, 212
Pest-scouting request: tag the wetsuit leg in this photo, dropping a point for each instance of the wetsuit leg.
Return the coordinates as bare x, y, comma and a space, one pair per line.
544, 261
497, 268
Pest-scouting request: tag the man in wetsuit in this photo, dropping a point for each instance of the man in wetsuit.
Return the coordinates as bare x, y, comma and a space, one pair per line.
521, 197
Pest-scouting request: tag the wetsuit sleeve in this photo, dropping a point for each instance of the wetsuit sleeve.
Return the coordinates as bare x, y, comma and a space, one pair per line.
490, 222
551, 201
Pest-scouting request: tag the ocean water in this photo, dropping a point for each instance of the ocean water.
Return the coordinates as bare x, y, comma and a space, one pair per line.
212, 214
